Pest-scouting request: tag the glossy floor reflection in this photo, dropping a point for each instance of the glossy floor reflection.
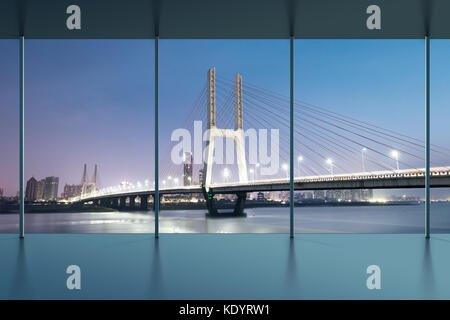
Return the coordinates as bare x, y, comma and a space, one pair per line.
241, 266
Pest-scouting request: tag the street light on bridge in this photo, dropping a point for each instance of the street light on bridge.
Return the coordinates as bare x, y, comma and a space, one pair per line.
253, 174
395, 155
330, 162
363, 150
225, 174
285, 168
299, 159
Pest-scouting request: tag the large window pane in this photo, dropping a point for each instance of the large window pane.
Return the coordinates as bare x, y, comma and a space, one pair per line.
89, 102
359, 124
440, 134
9, 133
263, 68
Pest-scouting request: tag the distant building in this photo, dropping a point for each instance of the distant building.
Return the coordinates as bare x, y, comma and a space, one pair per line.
260, 197
346, 195
333, 195
308, 195
273, 196
31, 189
71, 190
299, 196
366, 194
1, 193
187, 168
40, 189
319, 194
51, 188
356, 195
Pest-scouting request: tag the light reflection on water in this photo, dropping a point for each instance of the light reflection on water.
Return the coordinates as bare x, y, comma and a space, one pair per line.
366, 219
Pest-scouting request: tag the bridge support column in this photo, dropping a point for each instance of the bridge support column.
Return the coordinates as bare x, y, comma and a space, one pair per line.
104, 202
240, 203
210, 201
144, 203
132, 202
123, 203
115, 203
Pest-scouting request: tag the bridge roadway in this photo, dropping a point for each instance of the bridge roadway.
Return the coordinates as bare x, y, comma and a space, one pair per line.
411, 178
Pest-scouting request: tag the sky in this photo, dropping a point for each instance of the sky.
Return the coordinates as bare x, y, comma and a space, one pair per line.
92, 101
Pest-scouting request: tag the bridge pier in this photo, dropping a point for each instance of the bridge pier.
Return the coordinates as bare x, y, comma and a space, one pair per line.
132, 204
212, 207
240, 203
210, 201
105, 202
123, 203
115, 203
144, 203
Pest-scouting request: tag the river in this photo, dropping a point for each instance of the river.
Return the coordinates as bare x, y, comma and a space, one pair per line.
345, 219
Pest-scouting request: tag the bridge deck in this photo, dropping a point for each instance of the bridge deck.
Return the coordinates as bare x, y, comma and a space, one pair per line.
380, 180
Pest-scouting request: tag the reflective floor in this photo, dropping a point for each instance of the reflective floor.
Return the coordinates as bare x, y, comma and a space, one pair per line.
202, 266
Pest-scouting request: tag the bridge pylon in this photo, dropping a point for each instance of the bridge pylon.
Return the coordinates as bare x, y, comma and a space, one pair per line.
88, 186
237, 134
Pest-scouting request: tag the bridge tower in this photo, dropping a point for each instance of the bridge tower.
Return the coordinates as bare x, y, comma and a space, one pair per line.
86, 186
237, 134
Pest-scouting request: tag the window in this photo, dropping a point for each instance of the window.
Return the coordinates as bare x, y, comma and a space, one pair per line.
9, 133
233, 72
89, 132
359, 117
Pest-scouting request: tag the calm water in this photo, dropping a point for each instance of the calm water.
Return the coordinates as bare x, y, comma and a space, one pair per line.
374, 219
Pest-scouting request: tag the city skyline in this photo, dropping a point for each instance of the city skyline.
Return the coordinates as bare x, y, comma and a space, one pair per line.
75, 121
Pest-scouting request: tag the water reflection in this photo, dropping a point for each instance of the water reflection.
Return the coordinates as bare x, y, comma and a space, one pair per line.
428, 281
21, 284
292, 281
366, 219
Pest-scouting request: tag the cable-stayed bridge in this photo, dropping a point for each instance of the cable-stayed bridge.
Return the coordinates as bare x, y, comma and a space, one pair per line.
332, 151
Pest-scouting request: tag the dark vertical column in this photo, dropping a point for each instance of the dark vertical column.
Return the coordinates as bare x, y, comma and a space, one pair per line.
115, 203
291, 140
144, 203
123, 203
22, 120
427, 137
132, 202
156, 198
240, 203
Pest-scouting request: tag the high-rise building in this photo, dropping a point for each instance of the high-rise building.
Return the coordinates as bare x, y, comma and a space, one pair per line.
31, 189
187, 168
71, 190
51, 188
1, 192
40, 189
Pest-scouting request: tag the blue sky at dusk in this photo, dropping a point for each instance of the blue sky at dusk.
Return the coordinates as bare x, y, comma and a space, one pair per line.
92, 101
